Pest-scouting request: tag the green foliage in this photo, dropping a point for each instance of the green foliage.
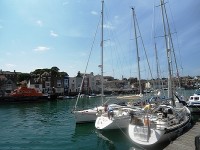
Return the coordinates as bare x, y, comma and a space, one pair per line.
79, 74
41, 71
132, 80
23, 77
63, 74
54, 71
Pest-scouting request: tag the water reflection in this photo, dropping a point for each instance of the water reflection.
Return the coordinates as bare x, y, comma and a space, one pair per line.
115, 139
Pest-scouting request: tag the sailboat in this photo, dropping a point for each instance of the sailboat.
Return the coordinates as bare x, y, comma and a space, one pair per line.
157, 123
120, 116
90, 115
117, 118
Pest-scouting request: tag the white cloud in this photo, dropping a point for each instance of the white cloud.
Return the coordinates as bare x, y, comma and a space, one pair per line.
41, 49
39, 23
108, 25
94, 13
52, 33
10, 65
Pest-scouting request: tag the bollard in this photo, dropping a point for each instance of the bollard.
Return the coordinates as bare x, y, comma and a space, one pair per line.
197, 142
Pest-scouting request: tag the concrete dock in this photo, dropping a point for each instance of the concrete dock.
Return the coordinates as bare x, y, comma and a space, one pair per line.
187, 140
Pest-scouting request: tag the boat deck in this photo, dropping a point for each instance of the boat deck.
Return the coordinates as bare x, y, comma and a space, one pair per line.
187, 140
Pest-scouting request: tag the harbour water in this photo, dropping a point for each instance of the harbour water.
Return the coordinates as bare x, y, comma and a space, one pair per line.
51, 126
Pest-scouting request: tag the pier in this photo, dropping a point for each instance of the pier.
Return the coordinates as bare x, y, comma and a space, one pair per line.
187, 140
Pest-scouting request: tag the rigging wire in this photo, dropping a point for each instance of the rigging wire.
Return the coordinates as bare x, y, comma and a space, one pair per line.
87, 63
181, 65
121, 60
144, 48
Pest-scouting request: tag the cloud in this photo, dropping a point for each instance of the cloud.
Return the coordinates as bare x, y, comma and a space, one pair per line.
108, 25
39, 23
52, 33
94, 13
41, 49
10, 65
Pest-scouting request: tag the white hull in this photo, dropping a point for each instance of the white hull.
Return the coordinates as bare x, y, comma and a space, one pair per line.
84, 116
157, 136
140, 135
88, 115
155, 133
194, 103
119, 119
104, 123
131, 97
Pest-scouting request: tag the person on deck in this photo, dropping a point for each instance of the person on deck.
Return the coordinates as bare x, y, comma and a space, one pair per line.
110, 111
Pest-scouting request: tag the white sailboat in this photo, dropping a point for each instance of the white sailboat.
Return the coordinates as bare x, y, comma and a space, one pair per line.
90, 115
158, 123
118, 118
121, 115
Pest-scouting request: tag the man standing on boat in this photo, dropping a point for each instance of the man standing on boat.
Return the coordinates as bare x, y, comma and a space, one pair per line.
110, 111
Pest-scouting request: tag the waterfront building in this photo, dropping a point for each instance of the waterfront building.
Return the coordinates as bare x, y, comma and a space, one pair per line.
8, 81
88, 85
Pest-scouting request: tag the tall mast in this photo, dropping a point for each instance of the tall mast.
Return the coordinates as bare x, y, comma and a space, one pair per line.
157, 68
169, 32
102, 80
168, 50
138, 58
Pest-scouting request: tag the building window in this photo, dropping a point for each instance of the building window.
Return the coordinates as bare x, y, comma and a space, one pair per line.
66, 83
58, 83
47, 84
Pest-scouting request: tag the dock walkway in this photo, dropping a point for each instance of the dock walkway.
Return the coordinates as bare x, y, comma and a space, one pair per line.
187, 140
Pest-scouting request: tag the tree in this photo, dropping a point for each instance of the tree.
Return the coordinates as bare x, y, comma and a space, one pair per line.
54, 71
41, 71
79, 74
63, 73
124, 79
132, 80
23, 76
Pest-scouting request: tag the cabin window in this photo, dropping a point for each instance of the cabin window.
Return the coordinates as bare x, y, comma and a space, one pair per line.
196, 98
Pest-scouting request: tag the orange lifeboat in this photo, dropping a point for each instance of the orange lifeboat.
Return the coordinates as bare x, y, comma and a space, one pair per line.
26, 92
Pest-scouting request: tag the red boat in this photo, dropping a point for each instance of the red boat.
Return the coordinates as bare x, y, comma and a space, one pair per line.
24, 94
24, 91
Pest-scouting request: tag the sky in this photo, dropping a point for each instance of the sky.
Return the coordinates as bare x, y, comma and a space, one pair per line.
37, 34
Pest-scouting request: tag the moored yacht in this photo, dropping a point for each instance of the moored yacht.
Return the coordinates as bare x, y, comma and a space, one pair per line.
117, 117
160, 122
194, 102
147, 129
87, 115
